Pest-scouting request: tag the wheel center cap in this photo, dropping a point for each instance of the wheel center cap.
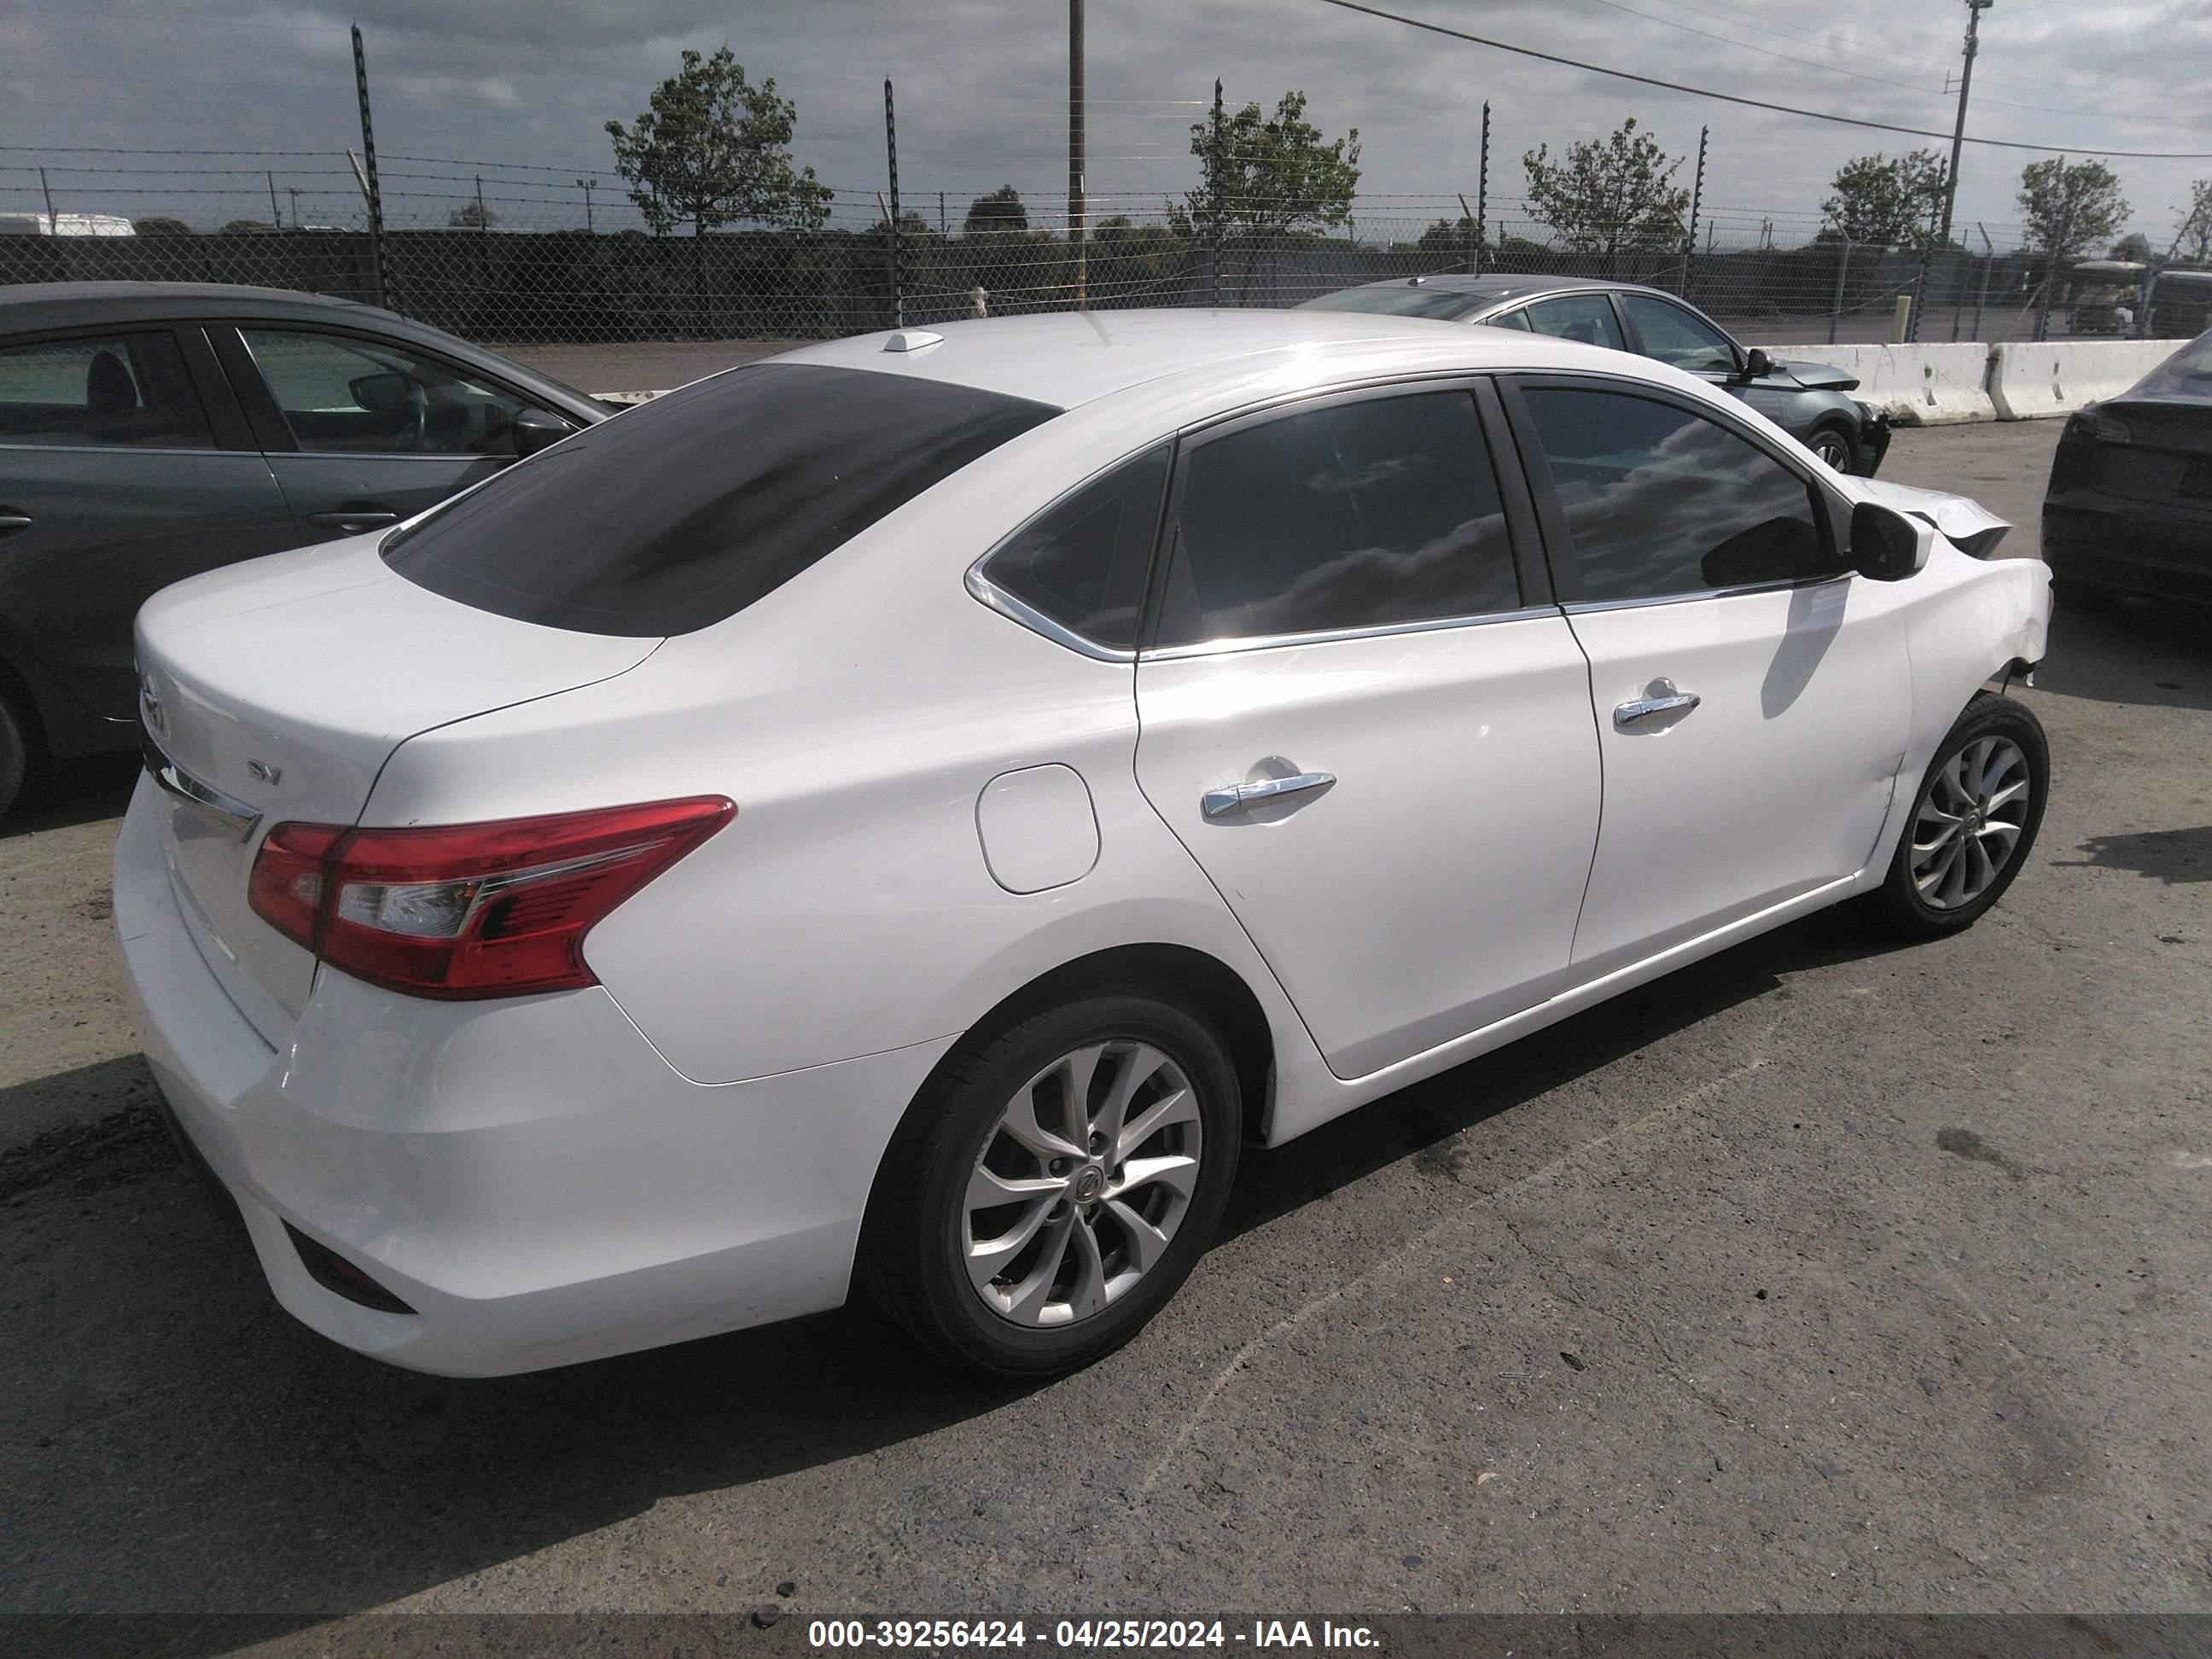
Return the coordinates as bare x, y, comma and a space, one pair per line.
1089, 1181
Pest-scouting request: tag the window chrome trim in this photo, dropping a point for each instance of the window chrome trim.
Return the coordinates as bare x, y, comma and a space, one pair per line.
997, 598
1584, 607
1218, 648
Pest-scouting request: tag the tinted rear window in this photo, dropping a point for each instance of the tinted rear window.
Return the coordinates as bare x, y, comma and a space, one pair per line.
687, 510
1394, 301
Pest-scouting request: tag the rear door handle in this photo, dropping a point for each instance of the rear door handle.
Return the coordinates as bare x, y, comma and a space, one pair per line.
10, 522
353, 519
1220, 803
1670, 701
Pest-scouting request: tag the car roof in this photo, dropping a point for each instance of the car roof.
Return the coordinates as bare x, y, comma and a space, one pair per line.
66, 305
1070, 358
1506, 285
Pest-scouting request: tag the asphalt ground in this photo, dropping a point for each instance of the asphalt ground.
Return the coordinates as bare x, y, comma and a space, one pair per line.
1823, 1276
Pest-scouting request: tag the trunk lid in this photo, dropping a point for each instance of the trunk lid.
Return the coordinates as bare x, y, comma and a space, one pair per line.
276, 690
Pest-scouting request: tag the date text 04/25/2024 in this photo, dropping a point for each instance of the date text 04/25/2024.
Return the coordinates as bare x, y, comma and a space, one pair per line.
1085, 1635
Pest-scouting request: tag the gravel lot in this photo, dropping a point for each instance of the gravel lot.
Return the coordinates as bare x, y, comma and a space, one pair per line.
1823, 1276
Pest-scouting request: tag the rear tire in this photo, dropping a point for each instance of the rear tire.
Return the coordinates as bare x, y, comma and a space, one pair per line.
1021, 1240
1836, 447
1974, 821
2083, 596
15, 754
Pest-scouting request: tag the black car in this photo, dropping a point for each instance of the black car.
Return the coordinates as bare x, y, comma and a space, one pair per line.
149, 431
1806, 400
2130, 506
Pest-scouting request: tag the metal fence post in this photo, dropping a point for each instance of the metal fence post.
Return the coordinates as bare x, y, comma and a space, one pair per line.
375, 197
1697, 201
1843, 269
892, 213
1482, 189
1989, 263
1213, 193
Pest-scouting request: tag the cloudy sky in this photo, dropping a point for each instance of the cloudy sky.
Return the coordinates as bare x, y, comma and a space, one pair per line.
521, 91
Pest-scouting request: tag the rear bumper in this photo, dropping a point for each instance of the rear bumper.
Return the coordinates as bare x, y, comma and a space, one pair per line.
2142, 547
530, 1178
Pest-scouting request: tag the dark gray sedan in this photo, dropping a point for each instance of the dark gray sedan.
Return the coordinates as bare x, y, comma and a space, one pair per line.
149, 431
1806, 400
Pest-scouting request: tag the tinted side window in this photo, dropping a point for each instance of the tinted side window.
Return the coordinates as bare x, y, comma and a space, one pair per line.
1659, 501
123, 389
1674, 336
685, 510
1363, 515
365, 397
1083, 561
1511, 320
1585, 317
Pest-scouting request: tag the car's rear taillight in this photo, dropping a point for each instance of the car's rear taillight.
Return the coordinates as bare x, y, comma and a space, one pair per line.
496, 910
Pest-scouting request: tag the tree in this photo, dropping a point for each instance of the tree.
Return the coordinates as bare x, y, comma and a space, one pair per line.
2192, 236
1263, 175
471, 216
1884, 202
1609, 197
246, 227
161, 228
2070, 207
997, 212
714, 150
2134, 245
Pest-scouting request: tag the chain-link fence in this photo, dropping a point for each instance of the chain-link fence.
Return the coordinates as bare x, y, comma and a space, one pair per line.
520, 262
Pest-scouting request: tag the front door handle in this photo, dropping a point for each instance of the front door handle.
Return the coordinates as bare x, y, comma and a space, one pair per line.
11, 521
1667, 701
352, 520
1220, 803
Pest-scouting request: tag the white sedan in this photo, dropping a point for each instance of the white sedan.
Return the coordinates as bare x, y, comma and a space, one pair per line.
901, 815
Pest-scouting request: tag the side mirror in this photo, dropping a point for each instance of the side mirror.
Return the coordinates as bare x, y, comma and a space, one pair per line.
1757, 364
1887, 546
382, 393
535, 430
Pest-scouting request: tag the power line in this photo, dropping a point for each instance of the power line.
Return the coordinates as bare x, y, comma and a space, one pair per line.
1760, 103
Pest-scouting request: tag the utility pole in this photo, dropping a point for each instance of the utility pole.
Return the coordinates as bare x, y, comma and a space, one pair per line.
54, 224
1214, 189
483, 219
1974, 10
368, 175
274, 217
587, 185
1075, 192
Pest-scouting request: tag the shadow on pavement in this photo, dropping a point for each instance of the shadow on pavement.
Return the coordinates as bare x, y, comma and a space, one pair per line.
2140, 652
71, 793
185, 1445
2171, 856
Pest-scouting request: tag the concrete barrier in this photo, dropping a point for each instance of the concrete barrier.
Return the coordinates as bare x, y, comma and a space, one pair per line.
2058, 377
1917, 385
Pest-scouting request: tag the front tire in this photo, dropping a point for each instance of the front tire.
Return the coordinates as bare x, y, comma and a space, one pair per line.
15, 754
1836, 448
1973, 822
1055, 1186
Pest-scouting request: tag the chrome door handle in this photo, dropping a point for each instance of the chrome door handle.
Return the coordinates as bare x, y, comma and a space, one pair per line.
367, 519
1220, 803
1644, 708
11, 522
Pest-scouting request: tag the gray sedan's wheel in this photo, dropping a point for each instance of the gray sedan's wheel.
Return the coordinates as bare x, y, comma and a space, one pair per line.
1973, 822
1053, 1187
1834, 445
14, 755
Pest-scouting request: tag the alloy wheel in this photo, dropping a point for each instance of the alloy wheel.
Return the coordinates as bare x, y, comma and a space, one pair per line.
1082, 1183
1970, 822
